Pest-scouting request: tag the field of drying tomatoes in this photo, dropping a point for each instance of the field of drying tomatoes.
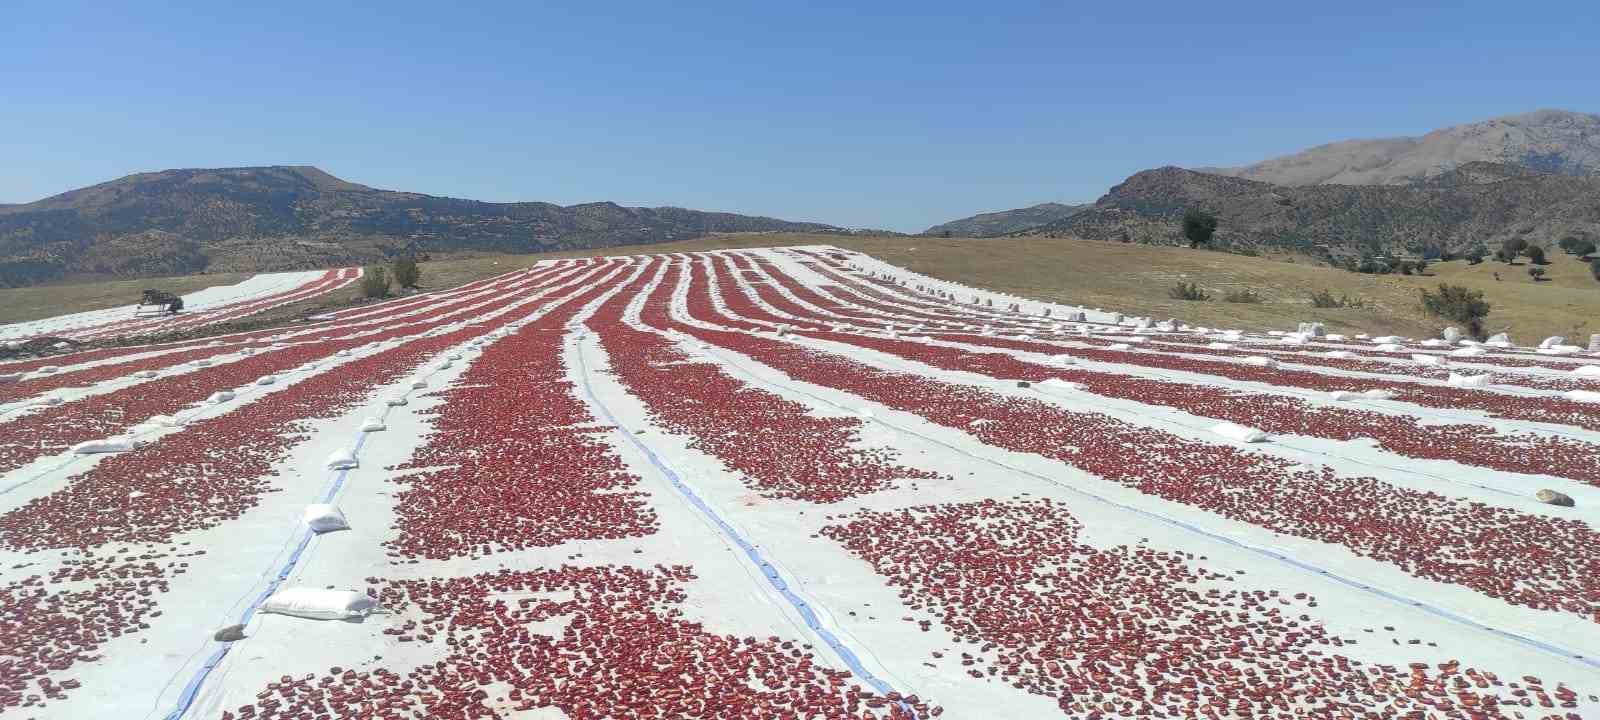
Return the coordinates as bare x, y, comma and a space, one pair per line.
795, 483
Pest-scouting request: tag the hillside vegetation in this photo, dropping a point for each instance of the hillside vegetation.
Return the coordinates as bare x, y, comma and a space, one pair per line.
1130, 278
1475, 204
264, 219
1003, 222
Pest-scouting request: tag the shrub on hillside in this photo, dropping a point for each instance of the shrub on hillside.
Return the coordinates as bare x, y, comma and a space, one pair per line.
1325, 299
375, 282
1594, 268
1245, 295
1511, 248
1371, 266
1536, 255
1198, 227
1187, 291
1584, 247
1457, 304
406, 272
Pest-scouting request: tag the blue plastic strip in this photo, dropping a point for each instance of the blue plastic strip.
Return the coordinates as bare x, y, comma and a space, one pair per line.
1593, 662
192, 688
847, 656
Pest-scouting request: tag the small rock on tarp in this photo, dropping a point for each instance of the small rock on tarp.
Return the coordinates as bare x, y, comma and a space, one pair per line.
1551, 497
231, 633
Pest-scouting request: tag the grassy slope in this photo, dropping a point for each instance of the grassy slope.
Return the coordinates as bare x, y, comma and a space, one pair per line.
1130, 278
21, 304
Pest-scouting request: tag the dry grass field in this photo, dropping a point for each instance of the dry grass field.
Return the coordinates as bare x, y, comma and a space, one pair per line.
1133, 279
21, 304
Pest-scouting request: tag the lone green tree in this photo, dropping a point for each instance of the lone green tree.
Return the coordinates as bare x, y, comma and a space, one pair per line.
375, 282
406, 272
1511, 248
1536, 255
1198, 227
1458, 304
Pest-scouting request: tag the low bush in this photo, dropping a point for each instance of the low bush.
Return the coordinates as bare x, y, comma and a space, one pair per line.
1245, 295
1187, 291
1458, 304
406, 272
1325, 299
375, 282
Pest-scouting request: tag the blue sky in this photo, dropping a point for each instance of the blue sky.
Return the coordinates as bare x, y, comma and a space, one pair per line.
886, 114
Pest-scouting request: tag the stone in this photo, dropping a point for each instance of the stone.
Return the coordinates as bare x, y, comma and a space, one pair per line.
1551, 497
1311, 329
231, 633
1451, 334
1553, 341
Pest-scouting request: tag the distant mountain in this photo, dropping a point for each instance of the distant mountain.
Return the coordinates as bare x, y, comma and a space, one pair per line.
1553, 141
1005, 221
296, 217
1475, 203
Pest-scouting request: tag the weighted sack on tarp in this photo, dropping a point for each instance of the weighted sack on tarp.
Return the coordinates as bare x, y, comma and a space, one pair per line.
319, 604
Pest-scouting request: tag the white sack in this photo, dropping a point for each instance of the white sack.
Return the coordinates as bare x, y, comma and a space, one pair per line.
373, 424
1588, 396
322, 518
1468, 381
1587, 370
1119, 346
342, 460
1341, 395
1468, 352
319, 604
1059, 384
1219, 346
1241, 433
1379, 394
1339, 354
220, 396
108, 445
266, 380
396, 401
1259, 361
1422, 359
1388, 347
